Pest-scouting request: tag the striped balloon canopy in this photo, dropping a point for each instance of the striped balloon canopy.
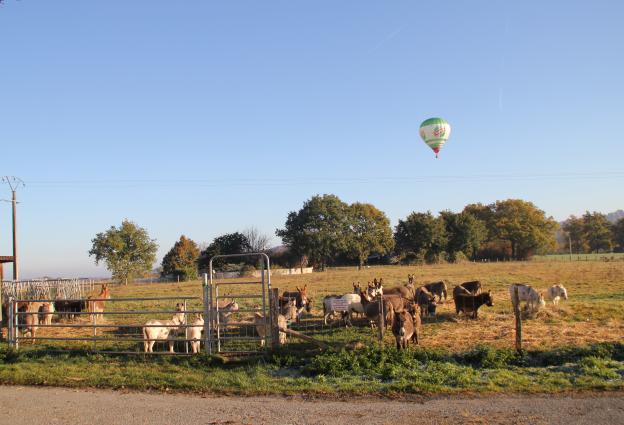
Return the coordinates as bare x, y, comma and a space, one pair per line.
435, 132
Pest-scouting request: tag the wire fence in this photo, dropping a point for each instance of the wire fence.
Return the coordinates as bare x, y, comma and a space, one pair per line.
52, 289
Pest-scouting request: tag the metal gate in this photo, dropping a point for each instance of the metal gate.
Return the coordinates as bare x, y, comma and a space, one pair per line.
222, 335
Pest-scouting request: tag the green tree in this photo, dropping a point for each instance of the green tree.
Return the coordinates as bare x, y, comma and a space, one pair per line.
618, 234
421, 235
181, 260
128, 251
597, 230
230, 243
525, 226
370, 232
485, 214
465, 233
320, 230
575, 229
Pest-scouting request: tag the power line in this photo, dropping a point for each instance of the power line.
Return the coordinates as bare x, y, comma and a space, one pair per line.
327, 180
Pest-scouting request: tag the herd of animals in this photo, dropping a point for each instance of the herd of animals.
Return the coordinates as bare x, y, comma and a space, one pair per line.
403, 309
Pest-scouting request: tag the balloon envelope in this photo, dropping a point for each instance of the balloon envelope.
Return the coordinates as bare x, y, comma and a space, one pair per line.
435, 132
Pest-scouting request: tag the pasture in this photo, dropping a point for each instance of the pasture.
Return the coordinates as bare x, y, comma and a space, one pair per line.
572, 346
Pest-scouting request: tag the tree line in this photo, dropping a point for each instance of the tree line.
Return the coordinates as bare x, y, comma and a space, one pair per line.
592, 232
326, 231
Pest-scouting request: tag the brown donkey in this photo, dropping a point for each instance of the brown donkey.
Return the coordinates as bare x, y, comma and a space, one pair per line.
95, 305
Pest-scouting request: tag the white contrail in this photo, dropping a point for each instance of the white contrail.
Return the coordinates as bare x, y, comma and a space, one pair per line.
387, 38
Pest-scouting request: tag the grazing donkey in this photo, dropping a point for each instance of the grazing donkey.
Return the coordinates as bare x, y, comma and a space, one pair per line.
426, 302
437, 288
533, 299
469, 303
162, 330
97, 307
555, 293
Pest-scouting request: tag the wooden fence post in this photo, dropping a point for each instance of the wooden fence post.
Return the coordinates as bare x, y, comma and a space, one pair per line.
516, 306
274, 313
381, 320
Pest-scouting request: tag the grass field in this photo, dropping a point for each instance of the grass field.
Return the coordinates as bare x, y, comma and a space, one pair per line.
573, 346
617, 256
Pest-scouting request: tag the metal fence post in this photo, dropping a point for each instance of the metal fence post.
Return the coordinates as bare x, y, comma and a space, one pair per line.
94, 322
186, 322
207, 318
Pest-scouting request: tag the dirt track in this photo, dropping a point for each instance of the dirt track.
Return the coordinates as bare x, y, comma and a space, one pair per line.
34, 405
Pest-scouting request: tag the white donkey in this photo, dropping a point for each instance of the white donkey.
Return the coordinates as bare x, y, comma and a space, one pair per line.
534, 300
555, 293
162, 330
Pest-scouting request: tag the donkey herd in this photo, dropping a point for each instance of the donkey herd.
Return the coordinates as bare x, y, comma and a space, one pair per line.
403, 309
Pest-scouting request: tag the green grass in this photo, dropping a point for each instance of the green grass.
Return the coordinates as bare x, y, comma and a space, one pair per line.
575, 345
611, 256
371, 370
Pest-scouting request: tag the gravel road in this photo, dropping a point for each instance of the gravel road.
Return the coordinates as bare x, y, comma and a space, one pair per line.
38, 405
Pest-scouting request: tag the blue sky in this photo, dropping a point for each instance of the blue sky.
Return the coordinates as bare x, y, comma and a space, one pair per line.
201, 118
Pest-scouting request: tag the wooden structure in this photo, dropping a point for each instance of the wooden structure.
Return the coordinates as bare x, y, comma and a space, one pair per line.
5, 259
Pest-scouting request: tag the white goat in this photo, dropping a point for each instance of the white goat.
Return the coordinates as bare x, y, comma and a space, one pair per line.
194, 333
162, 330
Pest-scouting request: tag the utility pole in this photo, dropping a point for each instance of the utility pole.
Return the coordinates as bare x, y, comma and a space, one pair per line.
14, 183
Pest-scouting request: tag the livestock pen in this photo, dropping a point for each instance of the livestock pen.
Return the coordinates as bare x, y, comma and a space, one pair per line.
592, 314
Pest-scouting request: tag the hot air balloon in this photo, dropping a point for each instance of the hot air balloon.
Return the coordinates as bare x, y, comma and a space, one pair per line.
435, 132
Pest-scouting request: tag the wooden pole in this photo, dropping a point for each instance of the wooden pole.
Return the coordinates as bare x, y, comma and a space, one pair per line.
274, 314
381, 320
304, 337
516, 306
15, 263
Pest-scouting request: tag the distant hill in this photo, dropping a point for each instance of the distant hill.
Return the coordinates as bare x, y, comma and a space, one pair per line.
615, 216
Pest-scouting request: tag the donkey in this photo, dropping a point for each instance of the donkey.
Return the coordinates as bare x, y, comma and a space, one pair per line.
437, 288
303, 302
162, 330
96, 305
372, 311
375, 289
533, 299
469, 303
30, 320
426, 302
405, 328
473, 286
282, 323
555, 293
46, 311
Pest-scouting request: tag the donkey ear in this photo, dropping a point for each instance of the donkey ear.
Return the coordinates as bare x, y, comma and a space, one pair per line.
298, 290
